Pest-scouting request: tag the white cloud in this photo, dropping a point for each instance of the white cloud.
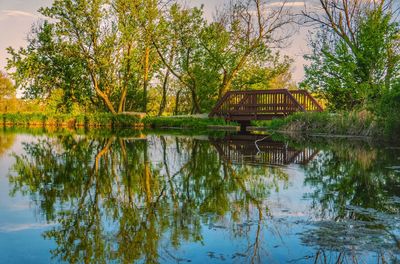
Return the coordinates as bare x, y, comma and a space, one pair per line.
4, 14
287, 4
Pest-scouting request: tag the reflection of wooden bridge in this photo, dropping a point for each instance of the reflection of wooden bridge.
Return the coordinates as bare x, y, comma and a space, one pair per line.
260, 150
264, 104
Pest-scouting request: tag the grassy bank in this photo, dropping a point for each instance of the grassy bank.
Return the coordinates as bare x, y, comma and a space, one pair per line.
351, 124
105, 120
185, 122
64, 120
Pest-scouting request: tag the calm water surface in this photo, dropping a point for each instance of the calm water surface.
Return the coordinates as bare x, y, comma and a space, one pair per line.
162, 198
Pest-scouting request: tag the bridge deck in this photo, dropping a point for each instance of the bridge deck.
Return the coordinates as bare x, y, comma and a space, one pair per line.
264, 104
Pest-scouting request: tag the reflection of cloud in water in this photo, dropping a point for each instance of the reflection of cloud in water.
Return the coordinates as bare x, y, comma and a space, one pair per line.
8, 228
19, 206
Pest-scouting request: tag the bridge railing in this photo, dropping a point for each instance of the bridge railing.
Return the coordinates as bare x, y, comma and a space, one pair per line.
250, 103
261, 104
306, 100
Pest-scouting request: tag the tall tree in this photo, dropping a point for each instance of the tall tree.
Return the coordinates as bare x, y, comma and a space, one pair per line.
252, 26
182, 28
89, 29
211, 55
44, 67
356, 52
100, 48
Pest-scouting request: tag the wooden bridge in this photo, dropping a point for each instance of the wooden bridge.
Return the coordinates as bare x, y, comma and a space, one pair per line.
264, 104
260, 150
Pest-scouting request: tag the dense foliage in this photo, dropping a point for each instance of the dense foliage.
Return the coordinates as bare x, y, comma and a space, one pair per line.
149, 56
339, 124
107, 120
7, 93
356, 58
354, 63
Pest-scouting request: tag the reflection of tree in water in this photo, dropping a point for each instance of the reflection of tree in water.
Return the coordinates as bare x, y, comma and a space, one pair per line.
115, 199
6, 141
355, 199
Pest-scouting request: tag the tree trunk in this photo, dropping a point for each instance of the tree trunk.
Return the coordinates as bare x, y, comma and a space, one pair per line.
164, 94
176, 111
225, 87
146, 77
121, 107
228, 78
106, 100
102, 95
195, 102
122, 102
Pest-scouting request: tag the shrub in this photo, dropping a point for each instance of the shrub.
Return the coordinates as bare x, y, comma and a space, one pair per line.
361, 123
184, 122
388, 111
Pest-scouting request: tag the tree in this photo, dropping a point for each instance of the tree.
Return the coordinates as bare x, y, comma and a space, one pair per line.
180, 49
7, 93
107, 54
209, 56
355, 55
253, 27
7, 89
268, 73
44, 67
137, 22
96, 49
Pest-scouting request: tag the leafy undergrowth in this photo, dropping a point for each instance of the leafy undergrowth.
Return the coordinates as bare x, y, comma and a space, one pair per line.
66, 120
106, 120
185, 122
354, 123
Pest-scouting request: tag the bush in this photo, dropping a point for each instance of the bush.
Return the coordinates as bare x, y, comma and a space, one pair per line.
388, 111
100, 120
184, 122
66, 120
361, 123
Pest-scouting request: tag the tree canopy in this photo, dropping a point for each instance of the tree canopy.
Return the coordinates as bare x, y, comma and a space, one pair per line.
356, 54
124, 55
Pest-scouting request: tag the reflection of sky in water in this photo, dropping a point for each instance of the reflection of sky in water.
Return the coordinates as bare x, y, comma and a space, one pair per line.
20, 228
280, 233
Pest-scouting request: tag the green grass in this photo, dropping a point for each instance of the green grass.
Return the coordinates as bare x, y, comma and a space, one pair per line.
106, 120
353, 123
185, 122
65, 120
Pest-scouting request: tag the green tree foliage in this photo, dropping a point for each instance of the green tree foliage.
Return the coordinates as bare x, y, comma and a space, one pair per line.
180, 51
8, 101
7, 89
270, 73
388, 109
355, 58
93, 51
44, 67
207, 57
115, 55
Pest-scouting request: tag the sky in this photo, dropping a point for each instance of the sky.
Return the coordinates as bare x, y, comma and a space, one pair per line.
18, 16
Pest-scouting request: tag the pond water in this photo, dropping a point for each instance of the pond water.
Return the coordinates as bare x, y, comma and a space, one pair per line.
165, 197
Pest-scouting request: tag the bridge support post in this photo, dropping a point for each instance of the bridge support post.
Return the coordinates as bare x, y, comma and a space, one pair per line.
244, 125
